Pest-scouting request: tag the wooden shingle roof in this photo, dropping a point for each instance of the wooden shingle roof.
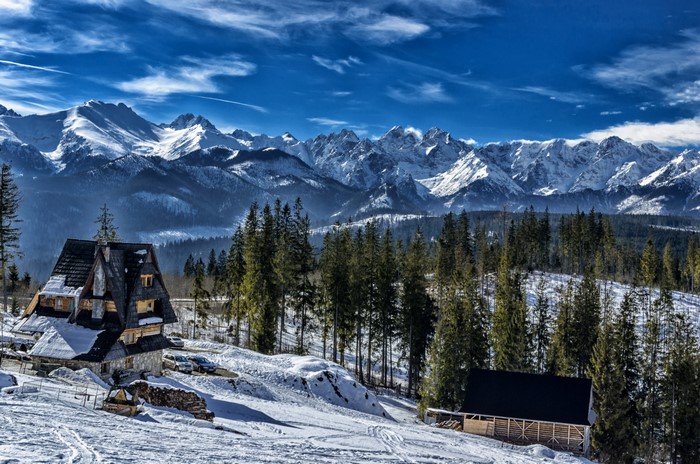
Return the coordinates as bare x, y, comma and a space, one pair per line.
542, 398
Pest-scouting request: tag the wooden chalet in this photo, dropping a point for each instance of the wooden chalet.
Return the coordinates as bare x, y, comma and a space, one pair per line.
529, 408
103, 307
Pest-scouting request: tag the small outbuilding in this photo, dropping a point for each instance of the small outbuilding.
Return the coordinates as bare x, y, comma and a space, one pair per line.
530, 408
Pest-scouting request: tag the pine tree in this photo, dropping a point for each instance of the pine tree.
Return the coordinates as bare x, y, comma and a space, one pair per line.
680, 392
561, 355
304, 288
189, 268
510, 329
263, 327
211, 264
106, 230
235, 273
650, 375
283, 265
689, 270
585, 320
668, 273
541, 326
201, 297
417, 309
26, 279
442, 386
13, 276
9, 231
387, 277
613, 431
252, 279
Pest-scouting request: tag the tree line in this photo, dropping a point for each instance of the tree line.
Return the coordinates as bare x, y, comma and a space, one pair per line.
460, 301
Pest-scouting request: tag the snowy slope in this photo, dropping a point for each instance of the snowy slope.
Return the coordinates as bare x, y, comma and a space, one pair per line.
283, 424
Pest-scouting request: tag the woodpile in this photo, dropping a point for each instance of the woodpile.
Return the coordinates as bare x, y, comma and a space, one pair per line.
172, 397
449, 424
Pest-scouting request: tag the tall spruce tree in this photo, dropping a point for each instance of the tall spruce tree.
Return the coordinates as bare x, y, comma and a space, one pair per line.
235, 274
541, 327
510, 327
9, 231
585, 322
443, 383
303, 257
417, 309
561, 355
201, 298
613, 432
252, 279
680, 392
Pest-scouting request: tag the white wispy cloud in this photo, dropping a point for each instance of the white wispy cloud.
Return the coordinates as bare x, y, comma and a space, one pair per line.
610, 113
16, 7
328, 122
29, 91
670, 69
574, 98
257, 108
339, 66
64, 41
378, 21
29, 66
436, 73
195, 75
388, 29
426, 92
679, 133
341, 93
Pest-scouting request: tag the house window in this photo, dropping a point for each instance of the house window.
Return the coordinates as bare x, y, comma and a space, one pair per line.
130, 338
59, 303
144, 306
129, 362
147, 280
104, 368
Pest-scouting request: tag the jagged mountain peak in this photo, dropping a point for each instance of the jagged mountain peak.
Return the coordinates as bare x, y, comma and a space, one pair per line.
8, 112
187, 120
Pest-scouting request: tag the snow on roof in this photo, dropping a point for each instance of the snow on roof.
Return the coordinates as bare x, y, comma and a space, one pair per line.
34, 323
140, 252
150, 320
65, 341
56, 286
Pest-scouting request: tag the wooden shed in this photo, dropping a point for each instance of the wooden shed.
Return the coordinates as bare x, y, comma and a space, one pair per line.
530, 408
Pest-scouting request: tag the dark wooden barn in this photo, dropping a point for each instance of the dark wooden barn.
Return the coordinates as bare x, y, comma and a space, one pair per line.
529, 408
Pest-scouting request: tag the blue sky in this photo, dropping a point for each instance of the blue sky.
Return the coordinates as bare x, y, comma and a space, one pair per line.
483, 70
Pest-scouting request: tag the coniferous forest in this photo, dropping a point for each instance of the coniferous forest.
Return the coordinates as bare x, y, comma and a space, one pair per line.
459, 301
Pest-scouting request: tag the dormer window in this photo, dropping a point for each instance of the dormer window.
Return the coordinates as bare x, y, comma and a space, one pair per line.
59, 303
129, 338
144, 306
147, 280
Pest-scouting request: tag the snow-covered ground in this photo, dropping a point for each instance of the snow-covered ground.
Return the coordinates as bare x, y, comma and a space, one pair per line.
265, 414
280, 409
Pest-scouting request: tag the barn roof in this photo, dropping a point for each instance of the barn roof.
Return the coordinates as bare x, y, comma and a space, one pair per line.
543, 398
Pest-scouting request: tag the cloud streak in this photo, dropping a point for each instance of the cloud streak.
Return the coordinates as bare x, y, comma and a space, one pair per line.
339, 66
426, 92
195, 75
574, 98
257, 108
679, 133
670, 69
327, 122
381, 22
29, 66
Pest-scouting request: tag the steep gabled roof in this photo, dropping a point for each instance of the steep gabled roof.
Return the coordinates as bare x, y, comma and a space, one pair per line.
544, 398
75, 261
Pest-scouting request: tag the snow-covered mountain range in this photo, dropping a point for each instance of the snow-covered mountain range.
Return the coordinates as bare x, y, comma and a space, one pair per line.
190, 174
